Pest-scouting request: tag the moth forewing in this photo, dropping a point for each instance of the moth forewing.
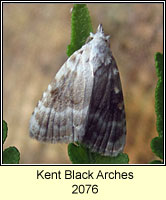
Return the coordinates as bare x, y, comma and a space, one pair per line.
84, 102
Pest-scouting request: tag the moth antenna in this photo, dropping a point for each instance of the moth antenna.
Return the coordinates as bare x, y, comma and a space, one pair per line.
100, 28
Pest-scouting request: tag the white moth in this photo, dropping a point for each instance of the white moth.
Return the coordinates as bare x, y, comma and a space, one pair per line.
84, 102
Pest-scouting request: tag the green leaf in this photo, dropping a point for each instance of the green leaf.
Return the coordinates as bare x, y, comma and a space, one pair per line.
80, 27
11, 155
159, 94
157, 142
159, 106
79, 154
122, 158
5, 129
157, 146
156, 162
159, 64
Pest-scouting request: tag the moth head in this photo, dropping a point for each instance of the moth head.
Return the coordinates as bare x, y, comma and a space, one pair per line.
99, 35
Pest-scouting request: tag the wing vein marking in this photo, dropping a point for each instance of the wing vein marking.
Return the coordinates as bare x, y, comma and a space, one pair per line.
47, 129
100, 103
99, 111
103, 128
40, 126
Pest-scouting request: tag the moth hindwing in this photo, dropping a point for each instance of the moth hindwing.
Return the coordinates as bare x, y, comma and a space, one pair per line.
84, 102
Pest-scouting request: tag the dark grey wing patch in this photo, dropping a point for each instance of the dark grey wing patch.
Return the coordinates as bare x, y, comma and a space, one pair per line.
106, 125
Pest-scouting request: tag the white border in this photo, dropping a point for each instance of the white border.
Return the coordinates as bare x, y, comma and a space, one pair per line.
2, 80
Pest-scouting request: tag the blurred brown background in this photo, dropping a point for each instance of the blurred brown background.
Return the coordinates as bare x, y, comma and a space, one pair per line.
35, 38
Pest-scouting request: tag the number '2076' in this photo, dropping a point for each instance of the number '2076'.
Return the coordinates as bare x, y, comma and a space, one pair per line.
85, 189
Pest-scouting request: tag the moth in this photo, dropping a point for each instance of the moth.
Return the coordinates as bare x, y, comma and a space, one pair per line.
84, 102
